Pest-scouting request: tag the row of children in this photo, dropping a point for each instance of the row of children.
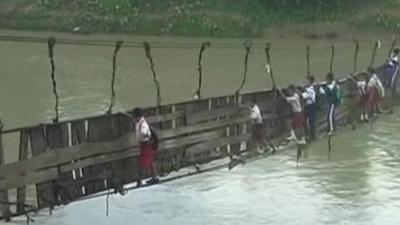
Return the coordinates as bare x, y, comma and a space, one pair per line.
305, 105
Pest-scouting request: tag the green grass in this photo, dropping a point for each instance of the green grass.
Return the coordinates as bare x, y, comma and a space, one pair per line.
214, 18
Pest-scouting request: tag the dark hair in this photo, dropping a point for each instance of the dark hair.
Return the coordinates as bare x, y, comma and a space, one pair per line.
330, 76
371, 70
311, 78
364, 75
292, 87
396, 51
137, 112
253, 99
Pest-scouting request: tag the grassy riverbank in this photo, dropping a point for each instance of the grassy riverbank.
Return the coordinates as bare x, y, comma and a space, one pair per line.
215, 18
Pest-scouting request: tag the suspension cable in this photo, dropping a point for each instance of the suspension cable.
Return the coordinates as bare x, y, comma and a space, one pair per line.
332, 58
155, 79
51, 43
308, 60
269, 70
373, 56
394, 41
356, 51
200, 68
247, 46
114, 69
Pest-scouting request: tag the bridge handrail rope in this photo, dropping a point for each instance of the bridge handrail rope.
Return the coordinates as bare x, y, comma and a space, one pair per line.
308, 60
269, 71
332, 58
374, 51
247, 46
355, 58
200, 68
51, 43
137, 44
147, 48
393, 45
114, 69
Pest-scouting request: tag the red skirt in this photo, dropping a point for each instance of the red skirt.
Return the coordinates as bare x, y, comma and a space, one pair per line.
297, 120
373, 97
257, 132
363, 101
146, 157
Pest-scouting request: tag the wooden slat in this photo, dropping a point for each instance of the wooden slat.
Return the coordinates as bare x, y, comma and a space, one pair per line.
211, 145
78, 136
41, 177
15, 180
23, 154
45, 195
208, 115
104, 128
64, 155
165, 117
4, 208
58, 137
134, 152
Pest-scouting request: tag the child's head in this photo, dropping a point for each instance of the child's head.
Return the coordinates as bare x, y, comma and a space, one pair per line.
291, 89
311, 79
330, 77
364, 76
396, 51
371, 70
137, 114
253, 101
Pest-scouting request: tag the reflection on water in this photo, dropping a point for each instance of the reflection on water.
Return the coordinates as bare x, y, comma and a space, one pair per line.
358, 185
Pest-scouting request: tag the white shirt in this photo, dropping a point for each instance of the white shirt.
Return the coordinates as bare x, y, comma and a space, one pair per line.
309, 95
143, 132
294, 101
394, 60
330, 86
255, 114
362, 87
375, 82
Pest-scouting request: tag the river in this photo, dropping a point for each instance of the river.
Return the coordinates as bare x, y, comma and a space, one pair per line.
357, 185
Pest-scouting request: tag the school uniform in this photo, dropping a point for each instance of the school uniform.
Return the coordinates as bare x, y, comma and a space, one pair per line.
297, 118
310, 109
362, 92
147, 151
375, 91
331, 93
257, 123
391, 70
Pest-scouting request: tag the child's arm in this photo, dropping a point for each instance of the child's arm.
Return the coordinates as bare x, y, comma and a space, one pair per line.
351, 77
281, 93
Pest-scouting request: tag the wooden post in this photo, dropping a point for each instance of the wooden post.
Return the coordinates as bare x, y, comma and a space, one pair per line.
44, 190
23, 154
4, 207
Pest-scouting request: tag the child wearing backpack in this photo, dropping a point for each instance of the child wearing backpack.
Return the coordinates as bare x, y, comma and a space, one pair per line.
148, 144
311, 108
331, 90
376, 92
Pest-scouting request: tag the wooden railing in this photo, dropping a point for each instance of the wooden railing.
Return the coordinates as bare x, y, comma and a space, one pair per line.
67, 160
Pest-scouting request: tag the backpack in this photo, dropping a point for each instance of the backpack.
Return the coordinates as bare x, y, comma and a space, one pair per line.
154, 139
338, 95
318, 97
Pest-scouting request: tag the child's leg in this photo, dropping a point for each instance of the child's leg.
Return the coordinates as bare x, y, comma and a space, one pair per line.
331, 118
